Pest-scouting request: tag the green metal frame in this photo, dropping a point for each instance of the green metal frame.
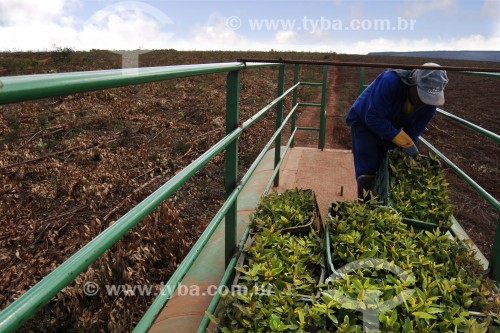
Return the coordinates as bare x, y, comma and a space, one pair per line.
494, 262
279, 120
224, 281
14, 89
24, 88
232, 122
322, 105
322, 114
470, 125
486, 74
463, 175
296, 70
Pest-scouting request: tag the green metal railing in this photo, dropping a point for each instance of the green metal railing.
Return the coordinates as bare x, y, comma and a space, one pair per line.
15, 89
470, 125
494, 262
322, 105
24, 88
362, 85
486, 74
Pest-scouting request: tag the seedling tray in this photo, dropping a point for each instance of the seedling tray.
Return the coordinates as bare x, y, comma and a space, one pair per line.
297, 231
382, 190
328, 242
415, 223
321, 275
349, 218
314, 222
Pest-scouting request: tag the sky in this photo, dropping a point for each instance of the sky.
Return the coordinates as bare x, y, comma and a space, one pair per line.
342, 26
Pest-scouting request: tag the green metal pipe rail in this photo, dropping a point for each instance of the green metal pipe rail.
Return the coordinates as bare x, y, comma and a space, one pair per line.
224, 281
486, 74
486, 70
24, 88
14, 89
470, 125
464, 176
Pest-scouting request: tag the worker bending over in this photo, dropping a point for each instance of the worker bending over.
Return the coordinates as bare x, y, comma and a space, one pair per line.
392, 111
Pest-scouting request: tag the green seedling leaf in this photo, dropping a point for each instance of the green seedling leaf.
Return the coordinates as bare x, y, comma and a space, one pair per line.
407, 327
423, 315
274, 322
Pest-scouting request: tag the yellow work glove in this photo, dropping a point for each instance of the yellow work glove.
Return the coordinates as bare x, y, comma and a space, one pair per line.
403, 140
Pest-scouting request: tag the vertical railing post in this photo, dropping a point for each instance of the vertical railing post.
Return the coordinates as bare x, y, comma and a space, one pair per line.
294, 100
279, 119
361, 86
495, 255
322, 119
232, 122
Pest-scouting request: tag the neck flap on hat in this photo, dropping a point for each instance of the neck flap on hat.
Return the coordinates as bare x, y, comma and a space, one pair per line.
407, 76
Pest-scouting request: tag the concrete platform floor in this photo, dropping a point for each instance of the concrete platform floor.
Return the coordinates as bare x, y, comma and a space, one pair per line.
329, 173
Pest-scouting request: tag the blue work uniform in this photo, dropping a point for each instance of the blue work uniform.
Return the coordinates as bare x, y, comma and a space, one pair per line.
378, 115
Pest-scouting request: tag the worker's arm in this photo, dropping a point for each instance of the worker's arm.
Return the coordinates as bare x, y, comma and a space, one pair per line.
408, 136
415, 129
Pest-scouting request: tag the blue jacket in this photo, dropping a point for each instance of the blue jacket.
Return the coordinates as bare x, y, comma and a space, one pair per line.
381, 108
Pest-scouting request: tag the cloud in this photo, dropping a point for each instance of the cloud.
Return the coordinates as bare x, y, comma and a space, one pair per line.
126, 25
472, 42
123, 29
33, 25
36, 25
127, 7
215, 33
220, 33
34, 36
13, 12
131, 25
413, 8
285, 36
319, 34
